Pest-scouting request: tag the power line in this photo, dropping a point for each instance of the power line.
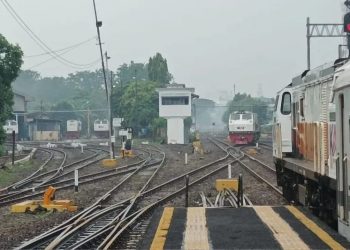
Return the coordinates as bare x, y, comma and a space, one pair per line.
87, 65
66, 48
37, 40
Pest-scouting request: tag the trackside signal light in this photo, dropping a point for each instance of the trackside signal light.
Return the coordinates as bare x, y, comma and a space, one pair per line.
347, 23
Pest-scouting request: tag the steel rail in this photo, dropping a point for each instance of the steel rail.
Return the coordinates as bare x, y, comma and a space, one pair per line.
41, 167
145, 193
27, 190
120, 216
254, 173
66, 226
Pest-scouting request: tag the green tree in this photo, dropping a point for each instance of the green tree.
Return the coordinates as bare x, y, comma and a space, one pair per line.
139, 102
158, 70
130, 72
10, 63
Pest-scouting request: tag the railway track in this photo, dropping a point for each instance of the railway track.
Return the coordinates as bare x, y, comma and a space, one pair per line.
121, 223
255, 167
99, 216
103, 224
46, 175
67, 179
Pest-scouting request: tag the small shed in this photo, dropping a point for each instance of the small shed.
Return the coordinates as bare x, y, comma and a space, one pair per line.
41, 129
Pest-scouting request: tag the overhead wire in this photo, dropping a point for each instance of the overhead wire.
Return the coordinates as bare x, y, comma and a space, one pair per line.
63, 49
38, 41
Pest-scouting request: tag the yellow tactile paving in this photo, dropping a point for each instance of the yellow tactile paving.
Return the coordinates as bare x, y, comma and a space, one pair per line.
312, 226
196, 231
284, 234
162, 230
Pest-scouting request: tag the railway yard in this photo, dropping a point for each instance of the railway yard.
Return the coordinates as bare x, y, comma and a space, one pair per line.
116, 205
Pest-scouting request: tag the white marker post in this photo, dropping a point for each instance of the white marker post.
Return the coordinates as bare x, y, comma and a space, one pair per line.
82, 148
229, 171
76, 180
186, 159
257, 145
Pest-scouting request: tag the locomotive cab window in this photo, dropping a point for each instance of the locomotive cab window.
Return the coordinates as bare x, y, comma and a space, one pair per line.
286, 103
246, 116
236, 117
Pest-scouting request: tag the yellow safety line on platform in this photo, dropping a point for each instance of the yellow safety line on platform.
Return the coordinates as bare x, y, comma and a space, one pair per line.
312, 226
283, 233
162, 230
196, 231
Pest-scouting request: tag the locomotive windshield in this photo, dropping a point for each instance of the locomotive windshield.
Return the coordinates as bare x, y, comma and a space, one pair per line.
246, 116
236, 117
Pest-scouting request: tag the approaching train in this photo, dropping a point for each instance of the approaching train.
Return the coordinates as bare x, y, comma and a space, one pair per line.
73, 129
311, 142
101, 128
243, 128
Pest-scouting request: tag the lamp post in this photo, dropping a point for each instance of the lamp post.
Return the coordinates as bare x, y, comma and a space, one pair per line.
98, 25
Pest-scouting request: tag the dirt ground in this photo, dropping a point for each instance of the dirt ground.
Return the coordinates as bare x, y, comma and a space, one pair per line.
16, 228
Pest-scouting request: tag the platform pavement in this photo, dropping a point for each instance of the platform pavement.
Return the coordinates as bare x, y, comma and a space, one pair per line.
259, 227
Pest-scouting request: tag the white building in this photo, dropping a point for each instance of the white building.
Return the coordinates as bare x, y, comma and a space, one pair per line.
175, 105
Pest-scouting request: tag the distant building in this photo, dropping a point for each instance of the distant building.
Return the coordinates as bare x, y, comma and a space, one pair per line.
42, 129
19, 113
175, 105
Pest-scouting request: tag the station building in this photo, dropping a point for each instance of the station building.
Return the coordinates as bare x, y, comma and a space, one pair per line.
175, 102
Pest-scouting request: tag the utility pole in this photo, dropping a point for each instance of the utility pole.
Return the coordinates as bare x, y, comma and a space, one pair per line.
98, 25
110, 107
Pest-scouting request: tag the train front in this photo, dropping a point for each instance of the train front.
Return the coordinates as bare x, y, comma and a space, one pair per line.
242, 128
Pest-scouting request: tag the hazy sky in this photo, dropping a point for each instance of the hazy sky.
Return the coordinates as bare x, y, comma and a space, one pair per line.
209, 44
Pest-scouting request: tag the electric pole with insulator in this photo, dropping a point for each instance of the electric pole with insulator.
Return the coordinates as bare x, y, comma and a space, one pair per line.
98, 25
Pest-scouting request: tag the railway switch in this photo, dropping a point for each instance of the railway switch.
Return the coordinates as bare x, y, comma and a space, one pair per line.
48, 204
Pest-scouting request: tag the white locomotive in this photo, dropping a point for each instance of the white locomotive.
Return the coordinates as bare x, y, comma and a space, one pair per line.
311, 142
101, 128
10, 125
73, 129
243, 127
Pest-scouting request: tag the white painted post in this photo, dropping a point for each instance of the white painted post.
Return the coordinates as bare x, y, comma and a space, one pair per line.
82, 148
76, 180
186, 159
257, 145
229, 171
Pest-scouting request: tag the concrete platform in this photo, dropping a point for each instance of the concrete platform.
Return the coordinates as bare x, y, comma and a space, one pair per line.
260, 227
